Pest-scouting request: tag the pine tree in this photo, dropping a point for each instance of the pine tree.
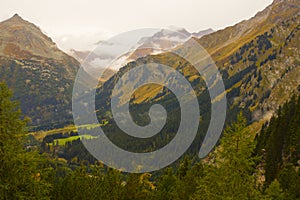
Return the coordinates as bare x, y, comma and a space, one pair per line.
186, 182
231, 176
19, 177
274, 191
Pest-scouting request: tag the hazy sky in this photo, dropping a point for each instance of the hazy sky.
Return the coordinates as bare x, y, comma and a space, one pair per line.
65, 19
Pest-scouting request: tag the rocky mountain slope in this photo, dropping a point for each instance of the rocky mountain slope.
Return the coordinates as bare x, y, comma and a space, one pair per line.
40, 74
258, 58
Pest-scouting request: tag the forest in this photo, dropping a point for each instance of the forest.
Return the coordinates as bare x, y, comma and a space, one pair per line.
244, 165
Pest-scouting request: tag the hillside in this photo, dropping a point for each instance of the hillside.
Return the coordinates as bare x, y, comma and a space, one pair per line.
40, 74
259, 62
258, 58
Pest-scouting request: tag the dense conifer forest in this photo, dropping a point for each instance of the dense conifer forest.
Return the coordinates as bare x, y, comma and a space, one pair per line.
241, 167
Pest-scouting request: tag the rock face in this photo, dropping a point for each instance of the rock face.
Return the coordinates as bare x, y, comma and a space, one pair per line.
40, 75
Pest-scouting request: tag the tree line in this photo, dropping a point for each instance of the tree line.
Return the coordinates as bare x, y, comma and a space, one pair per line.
235, 169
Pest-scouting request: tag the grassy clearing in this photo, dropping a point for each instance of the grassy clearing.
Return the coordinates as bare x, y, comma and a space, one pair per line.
39, 135
63, 141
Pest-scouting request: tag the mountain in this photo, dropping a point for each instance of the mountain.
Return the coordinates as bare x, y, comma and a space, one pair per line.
161, 41
253, 44
40, 74
225, 42
258, 59
268, 42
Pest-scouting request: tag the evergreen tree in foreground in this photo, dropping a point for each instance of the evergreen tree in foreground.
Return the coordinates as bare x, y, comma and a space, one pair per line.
19, 177
231, 176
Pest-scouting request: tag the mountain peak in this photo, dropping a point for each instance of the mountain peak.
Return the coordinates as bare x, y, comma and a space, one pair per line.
16, 17
17, 20
23, 39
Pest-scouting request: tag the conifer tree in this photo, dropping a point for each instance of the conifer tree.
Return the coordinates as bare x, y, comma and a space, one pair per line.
231, 176
19, 177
